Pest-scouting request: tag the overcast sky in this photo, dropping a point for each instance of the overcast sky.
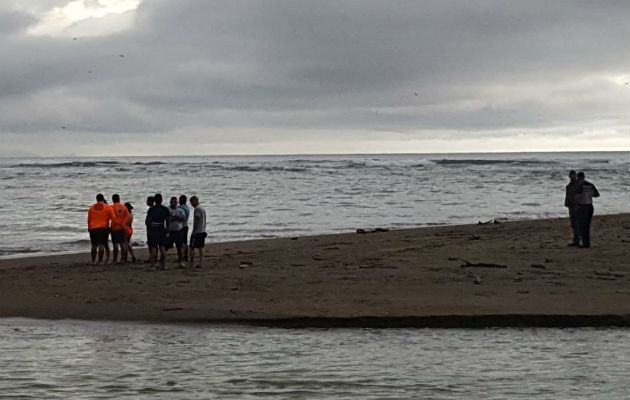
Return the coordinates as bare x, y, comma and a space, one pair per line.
132, 77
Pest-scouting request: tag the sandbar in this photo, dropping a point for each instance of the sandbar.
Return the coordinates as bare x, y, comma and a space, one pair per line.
518, 273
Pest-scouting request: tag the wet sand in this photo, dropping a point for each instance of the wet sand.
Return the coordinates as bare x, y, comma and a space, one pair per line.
510, 274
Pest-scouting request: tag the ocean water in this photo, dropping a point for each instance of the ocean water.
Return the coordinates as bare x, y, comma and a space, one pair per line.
44, 202
90, 360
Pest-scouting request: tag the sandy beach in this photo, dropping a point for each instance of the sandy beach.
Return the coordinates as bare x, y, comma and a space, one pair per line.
509, 274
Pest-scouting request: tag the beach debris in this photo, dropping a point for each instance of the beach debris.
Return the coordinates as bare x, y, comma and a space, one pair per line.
475, 237
492, 221
173, 309
522, 291
468, 264
381, 266
548, 260
453, 258
372, 230
477, 280
538, 266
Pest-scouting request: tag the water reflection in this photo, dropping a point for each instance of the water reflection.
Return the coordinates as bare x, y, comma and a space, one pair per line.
72, 359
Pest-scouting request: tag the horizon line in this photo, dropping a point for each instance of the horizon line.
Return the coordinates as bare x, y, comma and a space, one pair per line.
313, 154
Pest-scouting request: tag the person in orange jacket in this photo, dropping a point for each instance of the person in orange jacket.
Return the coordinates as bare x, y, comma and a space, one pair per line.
99, 217
119, 229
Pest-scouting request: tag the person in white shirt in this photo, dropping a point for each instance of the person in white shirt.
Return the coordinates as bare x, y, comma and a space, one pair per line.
198, 236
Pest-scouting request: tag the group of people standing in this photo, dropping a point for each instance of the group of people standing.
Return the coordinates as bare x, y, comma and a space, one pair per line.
116, 220
579, 200
167, 227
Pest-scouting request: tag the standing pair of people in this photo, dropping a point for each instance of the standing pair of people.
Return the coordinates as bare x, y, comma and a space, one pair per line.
178, 228
579, 200
168, 226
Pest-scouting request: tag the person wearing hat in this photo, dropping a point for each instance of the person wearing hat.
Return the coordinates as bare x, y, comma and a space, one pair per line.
129, 232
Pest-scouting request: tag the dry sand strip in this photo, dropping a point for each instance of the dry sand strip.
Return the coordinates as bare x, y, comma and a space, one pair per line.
510, 274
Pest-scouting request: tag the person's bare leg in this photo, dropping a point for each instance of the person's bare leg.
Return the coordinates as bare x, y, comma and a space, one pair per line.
130, 250
148, 260
200, 258
152, 256
191, 256
123, 252
93, 253
101, 250
115, 246
180, 257
106, 253
163, 259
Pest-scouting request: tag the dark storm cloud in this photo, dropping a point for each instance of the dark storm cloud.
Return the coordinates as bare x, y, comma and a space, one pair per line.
357, 65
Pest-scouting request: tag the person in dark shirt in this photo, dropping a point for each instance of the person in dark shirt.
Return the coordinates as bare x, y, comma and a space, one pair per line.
150, 203
156, 220
584, 193
569, 202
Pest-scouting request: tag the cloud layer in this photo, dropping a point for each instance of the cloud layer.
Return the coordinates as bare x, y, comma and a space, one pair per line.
248, 76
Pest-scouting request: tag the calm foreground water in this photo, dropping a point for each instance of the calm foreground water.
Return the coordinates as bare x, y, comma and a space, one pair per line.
44, 202
81, 360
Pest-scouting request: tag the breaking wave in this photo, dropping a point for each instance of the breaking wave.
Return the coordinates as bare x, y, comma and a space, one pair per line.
68, 164
492, 162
